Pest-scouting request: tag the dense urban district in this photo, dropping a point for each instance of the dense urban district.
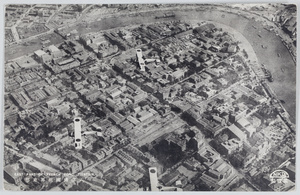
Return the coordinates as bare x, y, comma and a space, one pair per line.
187, 97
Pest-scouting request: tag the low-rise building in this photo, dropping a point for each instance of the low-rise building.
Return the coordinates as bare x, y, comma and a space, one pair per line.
238, 132
132, 186
124, 156
10, 174
108, 164
232, 145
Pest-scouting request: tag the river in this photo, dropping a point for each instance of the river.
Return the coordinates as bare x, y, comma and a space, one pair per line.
282, 68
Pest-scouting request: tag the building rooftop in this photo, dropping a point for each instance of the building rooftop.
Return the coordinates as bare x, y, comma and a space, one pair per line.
238, 132
39, 53
53, 48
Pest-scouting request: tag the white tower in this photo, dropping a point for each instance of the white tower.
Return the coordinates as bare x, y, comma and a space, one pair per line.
153, 179
140, 59
77, 133
155, 185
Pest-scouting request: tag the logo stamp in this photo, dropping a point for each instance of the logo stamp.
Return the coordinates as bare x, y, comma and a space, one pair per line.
279, 180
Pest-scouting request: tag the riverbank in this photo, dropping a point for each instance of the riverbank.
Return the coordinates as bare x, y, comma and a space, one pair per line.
284, 84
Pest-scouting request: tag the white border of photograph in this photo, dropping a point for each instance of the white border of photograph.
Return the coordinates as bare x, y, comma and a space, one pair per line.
2, 14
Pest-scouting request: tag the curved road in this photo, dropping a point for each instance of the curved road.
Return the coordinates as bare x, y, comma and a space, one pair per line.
282, 68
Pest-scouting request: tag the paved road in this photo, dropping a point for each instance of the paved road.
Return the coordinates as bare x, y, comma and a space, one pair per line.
282, 68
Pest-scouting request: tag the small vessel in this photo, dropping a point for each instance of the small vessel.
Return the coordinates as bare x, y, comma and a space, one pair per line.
270, 78
282, 69
282, 101
263, 46
268, 74
278, 54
